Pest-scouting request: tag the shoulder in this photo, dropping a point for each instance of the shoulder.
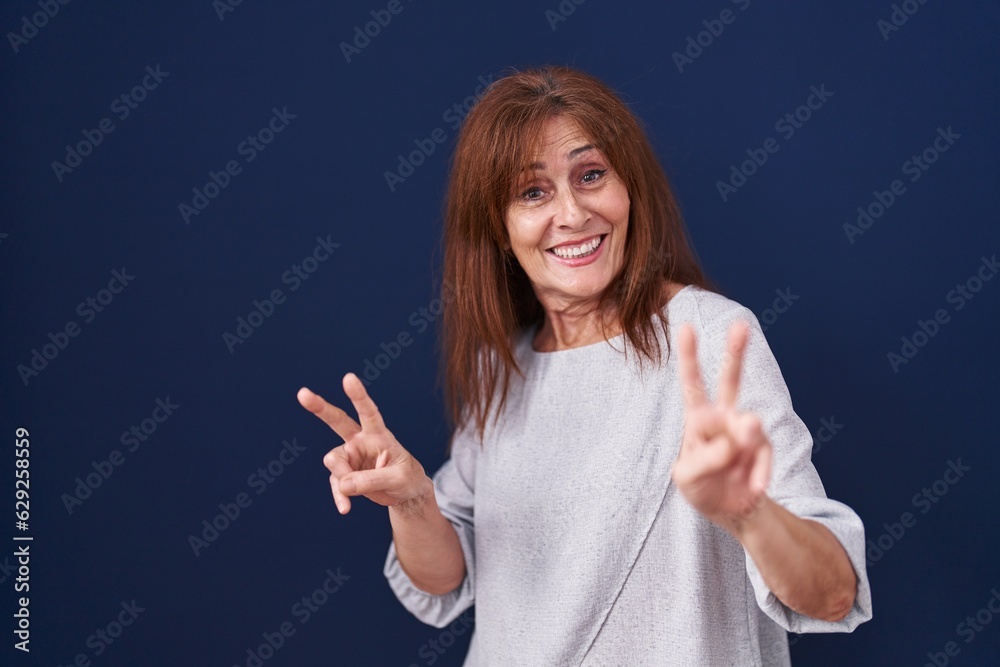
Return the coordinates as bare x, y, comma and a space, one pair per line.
707, 311
762, 385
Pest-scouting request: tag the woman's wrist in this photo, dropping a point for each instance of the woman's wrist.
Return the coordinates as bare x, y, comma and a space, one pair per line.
757, 520
417, 505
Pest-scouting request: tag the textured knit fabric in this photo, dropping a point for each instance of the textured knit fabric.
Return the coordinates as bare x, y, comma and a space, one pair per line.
578, 548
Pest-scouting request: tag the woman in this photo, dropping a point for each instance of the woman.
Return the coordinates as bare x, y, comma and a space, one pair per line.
602, 504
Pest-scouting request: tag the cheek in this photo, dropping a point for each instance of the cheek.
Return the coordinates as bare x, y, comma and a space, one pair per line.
620, 206
524, 234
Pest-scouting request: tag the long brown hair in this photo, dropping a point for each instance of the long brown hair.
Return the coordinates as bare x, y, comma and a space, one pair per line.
490, 298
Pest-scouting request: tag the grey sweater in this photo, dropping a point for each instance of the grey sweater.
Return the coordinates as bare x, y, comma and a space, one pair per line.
580, 551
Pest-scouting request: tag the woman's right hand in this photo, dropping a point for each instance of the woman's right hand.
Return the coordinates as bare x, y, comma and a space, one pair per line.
371, 462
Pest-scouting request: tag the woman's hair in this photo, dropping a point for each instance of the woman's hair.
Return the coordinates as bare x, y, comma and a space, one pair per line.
488, 297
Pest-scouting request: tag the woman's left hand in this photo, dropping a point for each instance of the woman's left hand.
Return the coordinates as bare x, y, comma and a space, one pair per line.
725, 459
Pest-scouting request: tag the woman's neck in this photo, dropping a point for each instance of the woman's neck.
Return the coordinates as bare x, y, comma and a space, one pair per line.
569, 326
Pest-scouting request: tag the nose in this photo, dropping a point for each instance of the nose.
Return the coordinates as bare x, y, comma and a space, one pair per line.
570, 212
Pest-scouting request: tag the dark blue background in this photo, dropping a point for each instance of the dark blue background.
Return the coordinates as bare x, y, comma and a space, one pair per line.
323, 176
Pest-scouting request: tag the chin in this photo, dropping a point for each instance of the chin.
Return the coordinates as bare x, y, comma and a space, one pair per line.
577, 290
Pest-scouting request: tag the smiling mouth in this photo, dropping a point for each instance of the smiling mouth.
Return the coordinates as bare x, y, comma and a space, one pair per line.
581, 250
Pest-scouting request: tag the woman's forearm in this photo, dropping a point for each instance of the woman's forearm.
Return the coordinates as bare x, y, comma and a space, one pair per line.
801, 561
427, 545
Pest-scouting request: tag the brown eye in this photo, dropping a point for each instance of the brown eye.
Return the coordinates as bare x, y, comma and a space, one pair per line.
527, 194
597, 173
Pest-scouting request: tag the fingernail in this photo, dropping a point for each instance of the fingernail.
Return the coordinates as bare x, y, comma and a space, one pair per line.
348, 486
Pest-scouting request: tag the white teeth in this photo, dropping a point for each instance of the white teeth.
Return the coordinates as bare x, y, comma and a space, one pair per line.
578, 251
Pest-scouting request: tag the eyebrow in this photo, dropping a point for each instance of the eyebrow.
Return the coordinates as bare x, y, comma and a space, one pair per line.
540, 166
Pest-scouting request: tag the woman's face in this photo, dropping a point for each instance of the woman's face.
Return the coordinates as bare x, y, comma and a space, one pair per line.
568, 221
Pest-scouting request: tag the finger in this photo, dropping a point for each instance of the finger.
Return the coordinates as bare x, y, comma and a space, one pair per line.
690, 374
755, 449
714, 456
744, 428
343, 502
705, 422
363, 482
732, 364
368, 414
335, 418
760, 474
338, 463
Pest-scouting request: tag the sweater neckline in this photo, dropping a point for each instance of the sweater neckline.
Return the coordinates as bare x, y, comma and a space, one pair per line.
529, 336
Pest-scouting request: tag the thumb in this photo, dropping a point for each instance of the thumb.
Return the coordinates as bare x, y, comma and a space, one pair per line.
364, 482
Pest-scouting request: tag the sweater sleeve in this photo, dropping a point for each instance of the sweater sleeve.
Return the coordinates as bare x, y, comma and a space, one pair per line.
794, 482
454, 486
